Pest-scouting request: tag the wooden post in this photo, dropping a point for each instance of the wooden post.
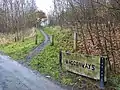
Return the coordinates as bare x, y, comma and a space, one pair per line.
23, 39
36, 39
60, 58
52, 40
75, 41
15, 39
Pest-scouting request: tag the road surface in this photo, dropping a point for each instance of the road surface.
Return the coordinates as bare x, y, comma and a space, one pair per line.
14, 76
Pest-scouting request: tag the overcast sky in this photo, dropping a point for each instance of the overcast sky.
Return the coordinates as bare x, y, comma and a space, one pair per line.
45, 5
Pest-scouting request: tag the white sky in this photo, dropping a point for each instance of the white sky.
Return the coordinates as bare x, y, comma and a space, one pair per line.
45, 5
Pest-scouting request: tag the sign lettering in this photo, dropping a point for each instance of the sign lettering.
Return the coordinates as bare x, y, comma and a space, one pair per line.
88, 66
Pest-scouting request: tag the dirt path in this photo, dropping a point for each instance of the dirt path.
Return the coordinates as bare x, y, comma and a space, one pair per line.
38, 49
15, 76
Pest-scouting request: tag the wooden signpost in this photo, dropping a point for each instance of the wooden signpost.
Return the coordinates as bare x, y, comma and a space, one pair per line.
89, 66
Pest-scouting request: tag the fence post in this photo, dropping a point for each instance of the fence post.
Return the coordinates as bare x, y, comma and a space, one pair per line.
102, 73
52, 40
36, 39
60, 58
75, 40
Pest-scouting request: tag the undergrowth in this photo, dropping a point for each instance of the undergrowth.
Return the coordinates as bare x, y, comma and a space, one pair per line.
18, 50
47, 63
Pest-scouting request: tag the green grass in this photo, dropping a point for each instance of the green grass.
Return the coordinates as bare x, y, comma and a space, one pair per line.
114, 82
18, 50
47, 62
62, 38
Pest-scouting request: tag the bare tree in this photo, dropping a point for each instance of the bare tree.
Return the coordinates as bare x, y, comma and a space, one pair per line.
97, 24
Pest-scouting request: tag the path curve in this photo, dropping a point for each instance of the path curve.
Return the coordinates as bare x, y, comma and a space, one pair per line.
39, 48
15, 76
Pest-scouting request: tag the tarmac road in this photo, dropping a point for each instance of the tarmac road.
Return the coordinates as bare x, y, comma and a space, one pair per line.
16, 76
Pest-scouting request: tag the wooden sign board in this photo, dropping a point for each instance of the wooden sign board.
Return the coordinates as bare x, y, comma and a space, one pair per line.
84, 65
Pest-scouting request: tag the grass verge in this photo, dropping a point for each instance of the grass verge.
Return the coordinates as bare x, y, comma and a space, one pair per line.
18, 50
47, 63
